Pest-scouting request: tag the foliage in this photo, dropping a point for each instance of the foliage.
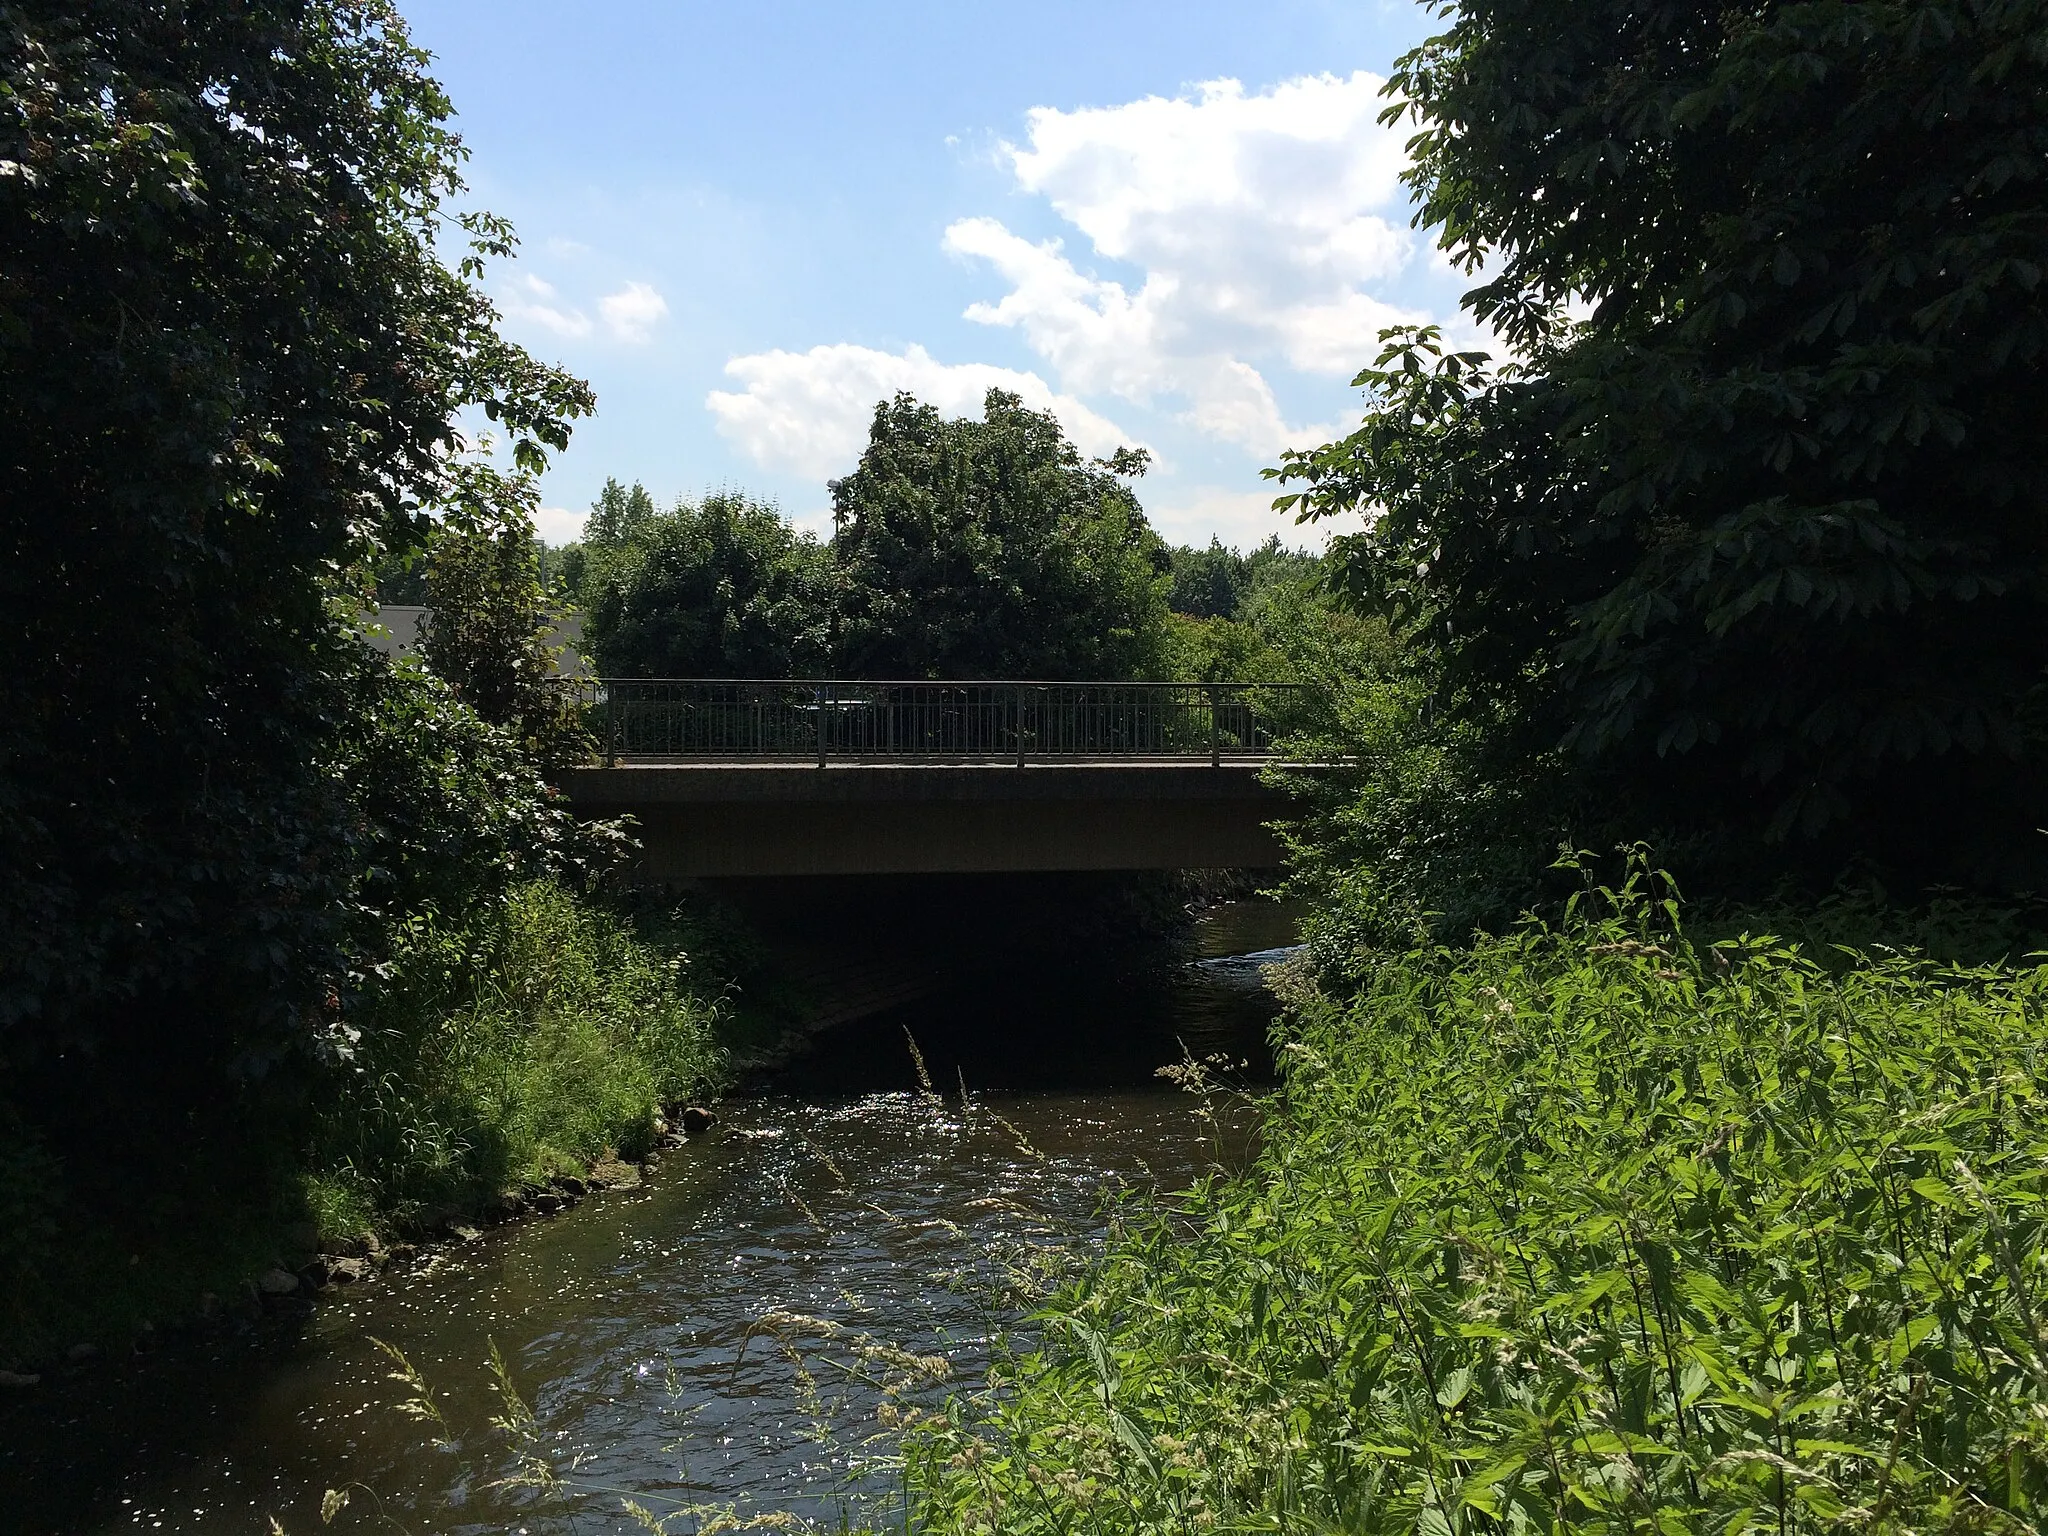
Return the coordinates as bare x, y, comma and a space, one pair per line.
1220, 583
1207, 583
489, 625
576, 571
1409, 817
519, 1040
723, 587
448, 810
1588, 1227
1764, 528
1282, 626
1220, 651
983, 548
991, 549
137, 1183
1412, 824
231, 351
619, 516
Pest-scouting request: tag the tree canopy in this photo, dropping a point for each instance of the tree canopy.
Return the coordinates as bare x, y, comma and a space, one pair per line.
990, 548
231, 358
619, 515
1218, 582
489, 627
1754, 517
720, 587
983, 548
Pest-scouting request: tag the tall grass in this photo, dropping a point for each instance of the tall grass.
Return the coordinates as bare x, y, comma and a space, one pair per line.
527, 1040
1588, 1227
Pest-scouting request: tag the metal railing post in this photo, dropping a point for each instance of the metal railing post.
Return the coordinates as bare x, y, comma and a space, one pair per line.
1017, 714
821, 725
611, 725
1215, 737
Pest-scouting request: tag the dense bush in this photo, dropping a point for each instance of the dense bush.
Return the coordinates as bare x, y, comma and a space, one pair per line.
232, 348
1588, 1227
1411, 824
446, 809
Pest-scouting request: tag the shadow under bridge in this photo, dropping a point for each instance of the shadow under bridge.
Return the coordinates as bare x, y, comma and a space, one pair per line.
823, 777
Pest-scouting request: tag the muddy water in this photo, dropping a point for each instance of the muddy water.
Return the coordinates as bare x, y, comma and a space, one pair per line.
738, 1335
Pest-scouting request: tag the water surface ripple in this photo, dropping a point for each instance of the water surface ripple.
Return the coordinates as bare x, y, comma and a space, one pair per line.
739, 1333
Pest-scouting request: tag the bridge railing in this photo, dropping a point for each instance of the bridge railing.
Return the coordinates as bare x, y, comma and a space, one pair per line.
821, 719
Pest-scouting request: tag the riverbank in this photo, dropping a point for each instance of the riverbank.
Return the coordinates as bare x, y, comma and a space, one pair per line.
1597, 1225
486, 1065
493, 1062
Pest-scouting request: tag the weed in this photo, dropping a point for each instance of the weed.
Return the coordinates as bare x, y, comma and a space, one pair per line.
1586, 1227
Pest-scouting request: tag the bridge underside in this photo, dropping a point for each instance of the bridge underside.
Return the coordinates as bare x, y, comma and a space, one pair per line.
726, 819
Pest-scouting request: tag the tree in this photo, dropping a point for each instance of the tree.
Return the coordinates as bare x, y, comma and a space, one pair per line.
991, 549
1755, 521
489, 623
723, 587
618, 516
1208, 583
231, 357
1220, 583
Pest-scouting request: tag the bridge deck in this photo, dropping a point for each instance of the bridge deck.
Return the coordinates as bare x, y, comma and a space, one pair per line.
702, 818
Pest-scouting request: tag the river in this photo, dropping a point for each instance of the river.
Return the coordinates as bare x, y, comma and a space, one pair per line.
739, 1335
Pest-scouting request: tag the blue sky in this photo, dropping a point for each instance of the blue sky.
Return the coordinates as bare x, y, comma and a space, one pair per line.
1175, 224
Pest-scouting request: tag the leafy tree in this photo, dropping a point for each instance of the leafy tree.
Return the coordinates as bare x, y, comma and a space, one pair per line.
489, 625
1208, 583
1761, 537
579, 570
1218, 582
989, 548
618, 516
723, 587
231, 354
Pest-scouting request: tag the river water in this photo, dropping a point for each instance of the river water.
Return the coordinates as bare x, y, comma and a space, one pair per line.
739, 1335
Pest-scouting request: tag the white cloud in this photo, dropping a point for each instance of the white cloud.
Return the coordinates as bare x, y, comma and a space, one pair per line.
808, 412
631, 313
533, 301
1260, 225
558, 525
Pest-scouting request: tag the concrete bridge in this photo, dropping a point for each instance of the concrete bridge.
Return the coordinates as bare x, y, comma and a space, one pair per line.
831, 777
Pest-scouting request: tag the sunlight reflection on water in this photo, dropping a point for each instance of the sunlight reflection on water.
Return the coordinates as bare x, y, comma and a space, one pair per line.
874, 1235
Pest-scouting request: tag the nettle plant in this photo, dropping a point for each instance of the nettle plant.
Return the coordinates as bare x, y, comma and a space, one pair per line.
1585, 1228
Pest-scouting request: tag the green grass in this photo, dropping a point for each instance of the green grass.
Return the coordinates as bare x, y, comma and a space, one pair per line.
536, 1034
1585, 1228
539, 1035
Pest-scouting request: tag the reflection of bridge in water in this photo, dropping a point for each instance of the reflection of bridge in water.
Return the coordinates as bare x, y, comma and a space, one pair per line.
830, 777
